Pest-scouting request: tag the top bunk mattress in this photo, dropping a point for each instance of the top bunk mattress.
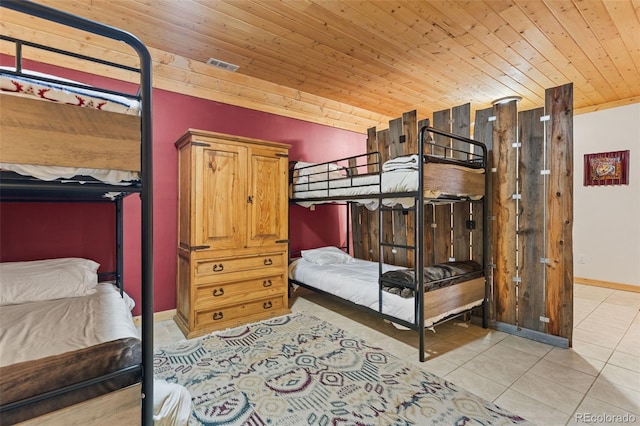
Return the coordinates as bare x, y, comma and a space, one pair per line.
51, 130
441, 180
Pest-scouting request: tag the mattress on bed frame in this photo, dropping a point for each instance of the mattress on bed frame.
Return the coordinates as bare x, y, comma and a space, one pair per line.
89, 130
356, 282
36, 377
439, 180
49, 344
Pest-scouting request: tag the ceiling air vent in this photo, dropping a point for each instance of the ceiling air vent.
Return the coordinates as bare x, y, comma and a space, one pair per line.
222, 64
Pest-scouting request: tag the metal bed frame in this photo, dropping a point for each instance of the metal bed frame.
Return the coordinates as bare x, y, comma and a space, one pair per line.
31, 189
479, 160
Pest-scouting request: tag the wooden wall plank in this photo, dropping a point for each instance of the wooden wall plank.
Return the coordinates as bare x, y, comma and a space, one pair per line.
372, 217
481, 241
442, 121
384, 143
503, 207
531, 224
442, 212
559, 289
359, 222
461, 212
428, 250
461, 126
399, 231
410, 146
483, 132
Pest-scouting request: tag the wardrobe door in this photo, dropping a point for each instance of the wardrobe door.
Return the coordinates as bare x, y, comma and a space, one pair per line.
267, 200
220, 196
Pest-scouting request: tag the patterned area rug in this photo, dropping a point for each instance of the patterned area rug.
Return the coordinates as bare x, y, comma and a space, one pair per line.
299, 370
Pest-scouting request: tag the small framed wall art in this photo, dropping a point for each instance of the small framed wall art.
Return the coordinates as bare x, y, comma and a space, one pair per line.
606, 168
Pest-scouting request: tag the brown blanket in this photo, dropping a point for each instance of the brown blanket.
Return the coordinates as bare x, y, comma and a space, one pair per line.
403, 281
27, 379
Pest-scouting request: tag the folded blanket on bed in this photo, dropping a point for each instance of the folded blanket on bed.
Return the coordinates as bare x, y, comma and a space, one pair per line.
435, 276
401, 163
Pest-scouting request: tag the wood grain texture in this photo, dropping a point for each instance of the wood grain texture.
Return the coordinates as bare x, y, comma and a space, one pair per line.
233, 270
400, 255
559, 289
504, 209
349, 71
531, 223
410, 131
442, 212
483, 132
115, 408
461, 212
386, 221
79, 137
373, 221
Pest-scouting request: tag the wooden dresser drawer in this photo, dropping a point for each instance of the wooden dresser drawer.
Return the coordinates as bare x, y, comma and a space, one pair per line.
221, 266
238, 292
237, 314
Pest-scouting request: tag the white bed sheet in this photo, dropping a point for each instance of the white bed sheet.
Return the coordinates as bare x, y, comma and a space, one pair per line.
35, 330
357, 282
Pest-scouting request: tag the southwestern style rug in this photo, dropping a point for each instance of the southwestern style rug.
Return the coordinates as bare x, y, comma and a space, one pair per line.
299, 370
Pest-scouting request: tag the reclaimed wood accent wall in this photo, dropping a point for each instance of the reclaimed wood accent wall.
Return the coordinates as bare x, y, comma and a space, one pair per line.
531, 212
446, 234
529, 209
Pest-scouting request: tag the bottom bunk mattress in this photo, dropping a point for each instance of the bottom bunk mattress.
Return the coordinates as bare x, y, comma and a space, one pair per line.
49, 344
356, 281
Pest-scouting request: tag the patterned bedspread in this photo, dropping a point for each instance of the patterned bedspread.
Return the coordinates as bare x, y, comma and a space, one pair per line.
401, 281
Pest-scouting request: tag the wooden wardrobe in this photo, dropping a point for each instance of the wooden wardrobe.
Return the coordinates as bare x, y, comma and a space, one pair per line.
232, 231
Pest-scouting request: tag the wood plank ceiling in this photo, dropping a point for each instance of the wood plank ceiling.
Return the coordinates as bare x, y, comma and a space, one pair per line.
356, 64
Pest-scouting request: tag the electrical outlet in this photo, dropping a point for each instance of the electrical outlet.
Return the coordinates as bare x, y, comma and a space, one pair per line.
581, 258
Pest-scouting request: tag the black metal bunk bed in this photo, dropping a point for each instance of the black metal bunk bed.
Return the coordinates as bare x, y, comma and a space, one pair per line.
15, 187
328, 188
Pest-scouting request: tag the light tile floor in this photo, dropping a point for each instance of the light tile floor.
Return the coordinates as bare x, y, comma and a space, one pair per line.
591, 383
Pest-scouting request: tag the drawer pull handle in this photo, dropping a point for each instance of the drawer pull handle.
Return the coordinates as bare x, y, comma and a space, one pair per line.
266, 283
218, 268
218, 292
268, 262
267, 305
217, 316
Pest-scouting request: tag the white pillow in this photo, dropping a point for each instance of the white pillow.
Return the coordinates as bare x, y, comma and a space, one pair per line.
32, 281
326, 256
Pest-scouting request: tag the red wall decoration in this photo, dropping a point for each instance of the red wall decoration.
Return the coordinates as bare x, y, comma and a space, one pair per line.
606, 168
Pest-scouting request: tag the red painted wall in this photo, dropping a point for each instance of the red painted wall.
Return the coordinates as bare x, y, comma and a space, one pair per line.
173, 114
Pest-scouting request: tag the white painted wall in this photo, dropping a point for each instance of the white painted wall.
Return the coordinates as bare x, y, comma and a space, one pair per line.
606, 231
